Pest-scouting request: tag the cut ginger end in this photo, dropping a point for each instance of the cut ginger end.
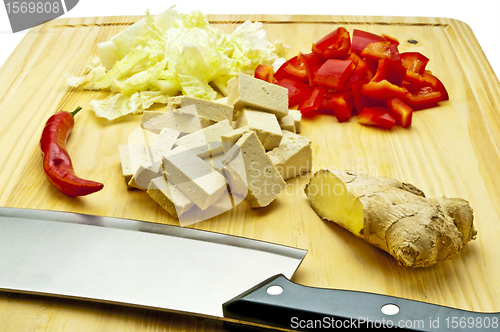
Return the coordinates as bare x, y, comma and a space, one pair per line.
330, 199
393, 216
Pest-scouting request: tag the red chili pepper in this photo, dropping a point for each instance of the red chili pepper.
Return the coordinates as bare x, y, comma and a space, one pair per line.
56, 161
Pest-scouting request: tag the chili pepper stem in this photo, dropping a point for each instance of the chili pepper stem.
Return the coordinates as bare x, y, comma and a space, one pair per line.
75, 111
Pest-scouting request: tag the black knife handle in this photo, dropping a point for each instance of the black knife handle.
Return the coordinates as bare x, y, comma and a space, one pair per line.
305, 308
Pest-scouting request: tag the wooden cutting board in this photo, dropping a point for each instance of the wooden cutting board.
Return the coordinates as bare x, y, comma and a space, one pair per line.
451, 150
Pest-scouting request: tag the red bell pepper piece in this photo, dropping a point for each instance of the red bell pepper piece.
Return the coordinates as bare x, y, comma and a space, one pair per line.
377, 116
381, 50
383, 90
392, 71
424, 98
334, 45
414, 61
342, 105
361, 39
297, 90
360, 100
359, 72
265, 73
436, 84
333, 73
402, 112
313, 101
393, 40
413, 81
311, 62
293, 67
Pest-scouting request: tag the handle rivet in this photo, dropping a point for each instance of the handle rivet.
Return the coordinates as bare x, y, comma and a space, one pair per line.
274, 290
390, 309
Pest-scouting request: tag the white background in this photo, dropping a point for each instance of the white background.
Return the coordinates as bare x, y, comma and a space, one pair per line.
481, 15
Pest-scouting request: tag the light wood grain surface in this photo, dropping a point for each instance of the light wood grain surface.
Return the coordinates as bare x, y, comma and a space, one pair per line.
451, 150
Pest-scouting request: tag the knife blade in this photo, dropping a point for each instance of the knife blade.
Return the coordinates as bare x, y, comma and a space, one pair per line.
164, 267
133, 262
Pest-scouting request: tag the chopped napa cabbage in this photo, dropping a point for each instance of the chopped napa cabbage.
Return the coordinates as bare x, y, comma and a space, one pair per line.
172, 53
120, 104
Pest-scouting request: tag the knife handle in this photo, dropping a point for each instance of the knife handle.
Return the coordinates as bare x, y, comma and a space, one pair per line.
304, 308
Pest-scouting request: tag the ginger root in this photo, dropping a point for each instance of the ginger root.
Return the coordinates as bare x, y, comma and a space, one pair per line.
393, 216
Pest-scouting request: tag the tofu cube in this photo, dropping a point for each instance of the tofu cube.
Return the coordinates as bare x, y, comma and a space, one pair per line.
211, 110
169, 197
184, 120
245, 90
256, 172
293, 156
288, 123
207, 141
132, 156
264, 124
193, 177
297, 118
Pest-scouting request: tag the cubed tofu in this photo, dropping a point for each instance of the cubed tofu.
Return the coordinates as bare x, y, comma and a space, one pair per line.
207, 141
145, 173
245, 90
230, 138
132, 156
297, 118
193, 177
185, 121
264, 124
211, 110
293, 156
169, 197
287, 123
263, 181
164, 142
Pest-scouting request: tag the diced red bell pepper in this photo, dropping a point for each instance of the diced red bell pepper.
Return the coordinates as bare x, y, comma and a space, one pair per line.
413, 81
265, 73
381, 50
414, 61
295, 68
333, 73
359, 72
311, 62
342, 105
334, 45
383, 90
436, 84
297, 90
393, 40
377, 116
359, 99
402, 112
424, 98
312, 102
392, 71
361, 39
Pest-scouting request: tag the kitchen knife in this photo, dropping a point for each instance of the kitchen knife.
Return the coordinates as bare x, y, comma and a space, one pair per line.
196, 272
